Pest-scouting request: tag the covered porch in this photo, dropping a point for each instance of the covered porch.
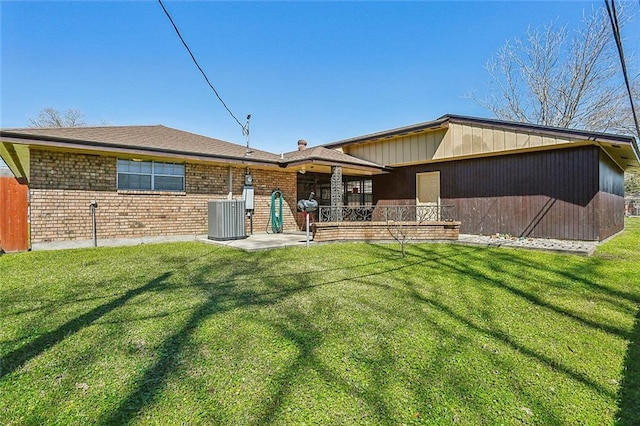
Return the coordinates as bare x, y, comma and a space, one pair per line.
343, 187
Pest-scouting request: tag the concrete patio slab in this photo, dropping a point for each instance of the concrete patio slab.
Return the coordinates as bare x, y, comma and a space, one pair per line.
263, 241
115, 242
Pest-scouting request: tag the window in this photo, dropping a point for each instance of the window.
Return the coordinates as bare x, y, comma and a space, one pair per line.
150, 176
428, 189
358, 192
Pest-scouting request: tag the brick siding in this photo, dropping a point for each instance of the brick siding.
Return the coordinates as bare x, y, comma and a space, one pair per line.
63, 184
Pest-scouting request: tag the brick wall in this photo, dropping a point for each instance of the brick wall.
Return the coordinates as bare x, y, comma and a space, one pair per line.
383, 231
63, 185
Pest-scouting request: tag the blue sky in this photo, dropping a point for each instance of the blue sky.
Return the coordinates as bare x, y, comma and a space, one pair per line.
322, 71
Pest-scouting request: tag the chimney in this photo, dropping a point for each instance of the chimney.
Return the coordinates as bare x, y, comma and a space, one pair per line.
302, 145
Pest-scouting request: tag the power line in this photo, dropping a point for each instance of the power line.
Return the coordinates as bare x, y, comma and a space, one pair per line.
245, 128
613, 18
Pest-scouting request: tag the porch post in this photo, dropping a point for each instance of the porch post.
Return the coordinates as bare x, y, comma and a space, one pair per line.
337, 193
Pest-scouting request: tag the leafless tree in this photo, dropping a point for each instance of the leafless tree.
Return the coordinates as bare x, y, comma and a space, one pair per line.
402, 232
632, 184
556, 77
403, 224
50, 117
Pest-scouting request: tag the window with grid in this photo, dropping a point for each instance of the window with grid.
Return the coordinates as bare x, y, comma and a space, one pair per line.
150, 175
358, 192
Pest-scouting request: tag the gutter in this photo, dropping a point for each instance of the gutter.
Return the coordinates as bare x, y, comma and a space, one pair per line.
444, 121
19, 138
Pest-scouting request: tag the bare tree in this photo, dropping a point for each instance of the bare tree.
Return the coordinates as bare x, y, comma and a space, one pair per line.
632, 184
403, 233
404, 222
559, 78
50, 117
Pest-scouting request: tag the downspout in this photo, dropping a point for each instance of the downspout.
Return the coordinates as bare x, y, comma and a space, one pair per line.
230, 180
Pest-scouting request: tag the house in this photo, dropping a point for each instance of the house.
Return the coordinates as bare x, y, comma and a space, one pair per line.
498, 177
147, 180
503, 177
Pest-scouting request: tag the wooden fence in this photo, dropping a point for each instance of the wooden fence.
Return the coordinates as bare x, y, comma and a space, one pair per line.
14, 204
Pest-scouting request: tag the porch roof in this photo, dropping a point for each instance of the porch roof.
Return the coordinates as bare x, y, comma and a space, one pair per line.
320, 159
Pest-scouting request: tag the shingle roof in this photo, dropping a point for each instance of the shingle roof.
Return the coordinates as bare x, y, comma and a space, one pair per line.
165, 140
152, 138
320, 153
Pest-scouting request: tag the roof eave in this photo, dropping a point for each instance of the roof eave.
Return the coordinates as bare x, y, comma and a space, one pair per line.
557, 131
441, 122
57, 142
324, 162
445, 120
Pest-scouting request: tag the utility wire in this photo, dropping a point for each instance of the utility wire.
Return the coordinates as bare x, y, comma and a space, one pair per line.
613, 18
245, 129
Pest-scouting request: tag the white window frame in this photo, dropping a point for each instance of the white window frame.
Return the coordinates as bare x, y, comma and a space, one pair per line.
153, 174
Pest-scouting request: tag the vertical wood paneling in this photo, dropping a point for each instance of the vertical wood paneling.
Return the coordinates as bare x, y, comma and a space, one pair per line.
422, 147
522, 140
393, 159
414, 148
510, 140
456, 141
14, 233
406, 150
476, 145
376, 150
548, 194
488, 140
429, 143
498, 141
611, 197
462, 143
534, 140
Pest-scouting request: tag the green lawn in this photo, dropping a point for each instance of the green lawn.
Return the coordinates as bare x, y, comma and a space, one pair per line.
342, 334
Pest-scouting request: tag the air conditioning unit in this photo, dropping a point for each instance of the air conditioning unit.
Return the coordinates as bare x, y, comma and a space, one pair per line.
226, 220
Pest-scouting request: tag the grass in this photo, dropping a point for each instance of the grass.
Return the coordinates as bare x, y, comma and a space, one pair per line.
342, 334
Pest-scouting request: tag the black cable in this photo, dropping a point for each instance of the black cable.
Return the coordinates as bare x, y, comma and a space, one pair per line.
200, 68
613, 18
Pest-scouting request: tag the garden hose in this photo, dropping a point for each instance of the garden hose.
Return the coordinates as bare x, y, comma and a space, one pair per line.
276, 216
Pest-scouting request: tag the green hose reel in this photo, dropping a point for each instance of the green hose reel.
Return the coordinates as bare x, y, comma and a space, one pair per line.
276, 218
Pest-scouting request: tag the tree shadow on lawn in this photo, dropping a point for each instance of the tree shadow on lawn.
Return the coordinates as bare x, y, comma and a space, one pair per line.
231, 292
17, 358
629, 394
226, 294
508, 340
444, 373
300, 331
526, 270
585, 274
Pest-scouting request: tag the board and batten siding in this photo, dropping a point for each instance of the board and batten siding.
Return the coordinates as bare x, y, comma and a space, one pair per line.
610, 197
458, 141
562, 193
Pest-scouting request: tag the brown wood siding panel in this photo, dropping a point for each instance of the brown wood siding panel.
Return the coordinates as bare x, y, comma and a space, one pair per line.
549, 194
14, 233
610, 198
